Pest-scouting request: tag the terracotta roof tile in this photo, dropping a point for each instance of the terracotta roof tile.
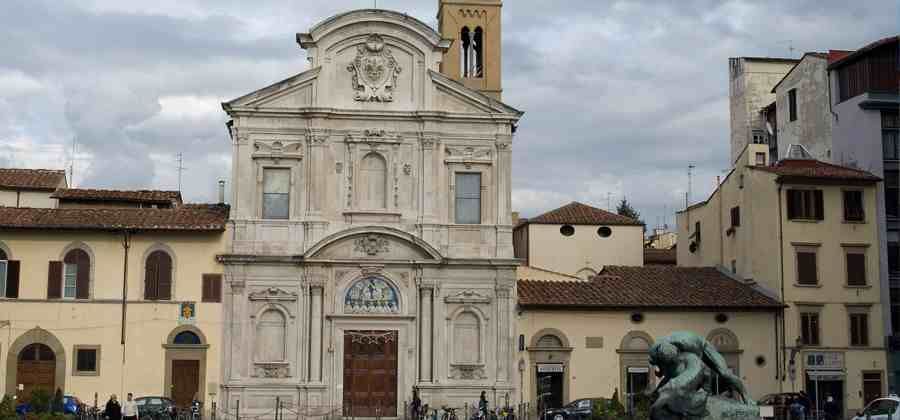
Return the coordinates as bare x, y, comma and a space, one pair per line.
31, 179
576, 213
189, 217
659, 287
814, 169
660, 256
853, 55
131, 196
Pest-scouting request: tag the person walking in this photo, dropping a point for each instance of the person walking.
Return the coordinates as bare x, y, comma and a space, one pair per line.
831, 409
483, 405
798, 412
129, 408
113, 410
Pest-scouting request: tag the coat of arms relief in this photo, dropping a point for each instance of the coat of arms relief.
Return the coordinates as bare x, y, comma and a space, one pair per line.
374, 71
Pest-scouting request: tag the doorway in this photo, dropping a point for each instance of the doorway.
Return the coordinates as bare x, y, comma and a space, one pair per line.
36, 369
826, 385
370, 374
549, 385
185, 381
871, 386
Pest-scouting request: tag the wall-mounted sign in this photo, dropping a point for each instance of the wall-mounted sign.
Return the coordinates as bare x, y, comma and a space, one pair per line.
187, 313
638, 369
550, 368
825, 360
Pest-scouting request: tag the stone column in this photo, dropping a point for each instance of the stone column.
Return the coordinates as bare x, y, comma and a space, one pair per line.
503, 334
503, 182
315, 333
426, 333
236, 316
316, 182
428, 181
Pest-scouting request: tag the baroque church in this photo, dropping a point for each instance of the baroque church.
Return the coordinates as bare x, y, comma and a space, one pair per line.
372, 248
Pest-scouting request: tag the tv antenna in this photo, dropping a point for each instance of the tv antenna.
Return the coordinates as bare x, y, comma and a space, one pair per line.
687, 197
180, 160
790, 44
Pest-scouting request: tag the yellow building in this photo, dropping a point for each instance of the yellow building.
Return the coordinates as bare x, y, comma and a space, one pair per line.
111, 298
805, 230
584, 335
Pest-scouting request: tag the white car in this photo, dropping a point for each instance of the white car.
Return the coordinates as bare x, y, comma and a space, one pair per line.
881, 409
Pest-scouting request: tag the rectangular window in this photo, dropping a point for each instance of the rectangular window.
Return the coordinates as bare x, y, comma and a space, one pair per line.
889, 139
853, 206
70, 277
468, 198
859, 329
856, 266
792, 104
87, 360
3, 269
806, 267
212, 288
735, 216
276, 193
892, 193
809, 328
760, 159
805, 205
697, 232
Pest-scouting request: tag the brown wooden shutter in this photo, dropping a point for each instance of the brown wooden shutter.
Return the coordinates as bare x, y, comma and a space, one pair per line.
856, 269
164, 275
792, 203
151, 284
83, 278
820, 204
54, 280
12, 279
806, 268
212, 288
814, 329
863, 329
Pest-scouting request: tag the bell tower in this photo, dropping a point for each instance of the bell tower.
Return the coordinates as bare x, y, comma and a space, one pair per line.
474, 56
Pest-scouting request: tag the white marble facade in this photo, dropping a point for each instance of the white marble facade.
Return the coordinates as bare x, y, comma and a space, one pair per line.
344, 220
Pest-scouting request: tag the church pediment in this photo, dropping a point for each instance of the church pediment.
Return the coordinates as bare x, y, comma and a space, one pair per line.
293, 92
383, 245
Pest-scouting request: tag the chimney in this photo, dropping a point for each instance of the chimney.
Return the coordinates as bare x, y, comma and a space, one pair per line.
221, 191
515, 218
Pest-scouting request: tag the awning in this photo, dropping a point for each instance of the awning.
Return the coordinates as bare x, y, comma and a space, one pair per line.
826, 375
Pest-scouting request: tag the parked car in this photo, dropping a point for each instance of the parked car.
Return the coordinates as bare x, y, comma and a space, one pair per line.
580, 409
881, 409
155, 408
782, 403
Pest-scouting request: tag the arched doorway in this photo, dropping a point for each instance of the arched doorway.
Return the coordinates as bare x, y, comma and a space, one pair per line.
634, 365
549, 352
36, 369
185, 367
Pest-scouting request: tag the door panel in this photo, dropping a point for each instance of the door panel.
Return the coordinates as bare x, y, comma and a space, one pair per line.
185, 381
370, 373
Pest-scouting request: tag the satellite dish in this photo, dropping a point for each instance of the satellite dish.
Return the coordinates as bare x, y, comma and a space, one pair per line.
769, 129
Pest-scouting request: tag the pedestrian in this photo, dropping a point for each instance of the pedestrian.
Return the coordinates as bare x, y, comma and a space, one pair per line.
113, 410
482, 405
129, 408
416, 404
798, 412
832, 410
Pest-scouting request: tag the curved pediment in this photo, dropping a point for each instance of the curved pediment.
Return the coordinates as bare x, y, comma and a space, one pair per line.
373, 243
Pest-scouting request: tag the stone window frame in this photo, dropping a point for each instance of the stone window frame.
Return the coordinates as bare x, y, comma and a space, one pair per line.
629, 357
360, 183
486, 170
75, 349
482, 334
806, 248
806, 308
859, 309
856, 249
561, 355
287, 336
91, 277
160, 246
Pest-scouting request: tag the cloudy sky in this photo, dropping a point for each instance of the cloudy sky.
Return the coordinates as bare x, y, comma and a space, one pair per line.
620, 97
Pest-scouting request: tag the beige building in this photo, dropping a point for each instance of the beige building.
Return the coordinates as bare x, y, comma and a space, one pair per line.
110, 299
805, 230
579, 240
30, 187
585, 335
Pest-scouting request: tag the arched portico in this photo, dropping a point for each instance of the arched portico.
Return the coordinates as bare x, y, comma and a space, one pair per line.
35, 336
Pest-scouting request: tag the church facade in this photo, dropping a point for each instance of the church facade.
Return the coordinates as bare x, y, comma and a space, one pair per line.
372, 240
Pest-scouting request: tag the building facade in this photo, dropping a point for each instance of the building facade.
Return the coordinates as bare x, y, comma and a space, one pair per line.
750, 84
109, 300
806, 231
372, 251
803, 117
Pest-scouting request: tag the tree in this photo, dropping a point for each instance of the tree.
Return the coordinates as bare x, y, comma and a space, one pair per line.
625, 209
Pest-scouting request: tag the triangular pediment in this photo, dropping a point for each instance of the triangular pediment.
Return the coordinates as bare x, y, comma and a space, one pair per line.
293, 92
453, 96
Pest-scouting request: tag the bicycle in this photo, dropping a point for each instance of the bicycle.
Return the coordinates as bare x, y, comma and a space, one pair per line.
449, 413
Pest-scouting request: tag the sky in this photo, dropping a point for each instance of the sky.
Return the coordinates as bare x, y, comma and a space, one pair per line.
620, 96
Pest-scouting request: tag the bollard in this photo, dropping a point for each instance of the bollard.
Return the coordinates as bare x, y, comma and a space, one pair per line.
237, 409
212, 412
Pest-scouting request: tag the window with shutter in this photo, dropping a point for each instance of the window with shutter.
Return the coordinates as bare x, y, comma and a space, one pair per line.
54, 277
158, 276
4, 270
809, 328
806, 267
735, 216
76, 278
856, 267
12, 279
853, 206
859, 329
805, 204
212, 288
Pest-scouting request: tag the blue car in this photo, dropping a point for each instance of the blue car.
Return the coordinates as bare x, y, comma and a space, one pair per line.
70, 406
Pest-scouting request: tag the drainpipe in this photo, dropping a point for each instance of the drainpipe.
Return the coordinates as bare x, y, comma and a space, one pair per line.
781, 273
126, 245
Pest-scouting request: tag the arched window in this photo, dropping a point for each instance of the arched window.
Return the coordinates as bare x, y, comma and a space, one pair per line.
5, 276
187, 338
478, 53
373, 171
270, 332
74, 276
471, 54
36, 352
549, 340
467, 338
158, 276
726, 343
464, 55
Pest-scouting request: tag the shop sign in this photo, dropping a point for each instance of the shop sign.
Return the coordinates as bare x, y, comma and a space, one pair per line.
550, 368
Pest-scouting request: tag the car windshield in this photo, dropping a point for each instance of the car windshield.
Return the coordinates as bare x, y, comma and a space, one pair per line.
583, 404
880, 407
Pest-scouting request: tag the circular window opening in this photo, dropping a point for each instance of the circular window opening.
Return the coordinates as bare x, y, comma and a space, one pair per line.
721, 318
604, 231
637, 317
760, 361
567, 230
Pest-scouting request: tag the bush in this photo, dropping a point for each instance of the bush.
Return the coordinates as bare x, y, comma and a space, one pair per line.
610, 409
40, 401
7, 408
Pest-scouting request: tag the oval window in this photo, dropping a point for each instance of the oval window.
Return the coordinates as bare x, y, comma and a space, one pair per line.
721, 318
760, 361
637, 317
604, 231
567, 230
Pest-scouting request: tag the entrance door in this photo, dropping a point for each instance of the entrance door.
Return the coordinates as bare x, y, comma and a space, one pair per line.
871, 386
185, 381
370, 374
549, 387
36, 369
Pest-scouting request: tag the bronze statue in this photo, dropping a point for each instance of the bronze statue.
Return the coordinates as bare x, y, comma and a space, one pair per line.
688, 366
